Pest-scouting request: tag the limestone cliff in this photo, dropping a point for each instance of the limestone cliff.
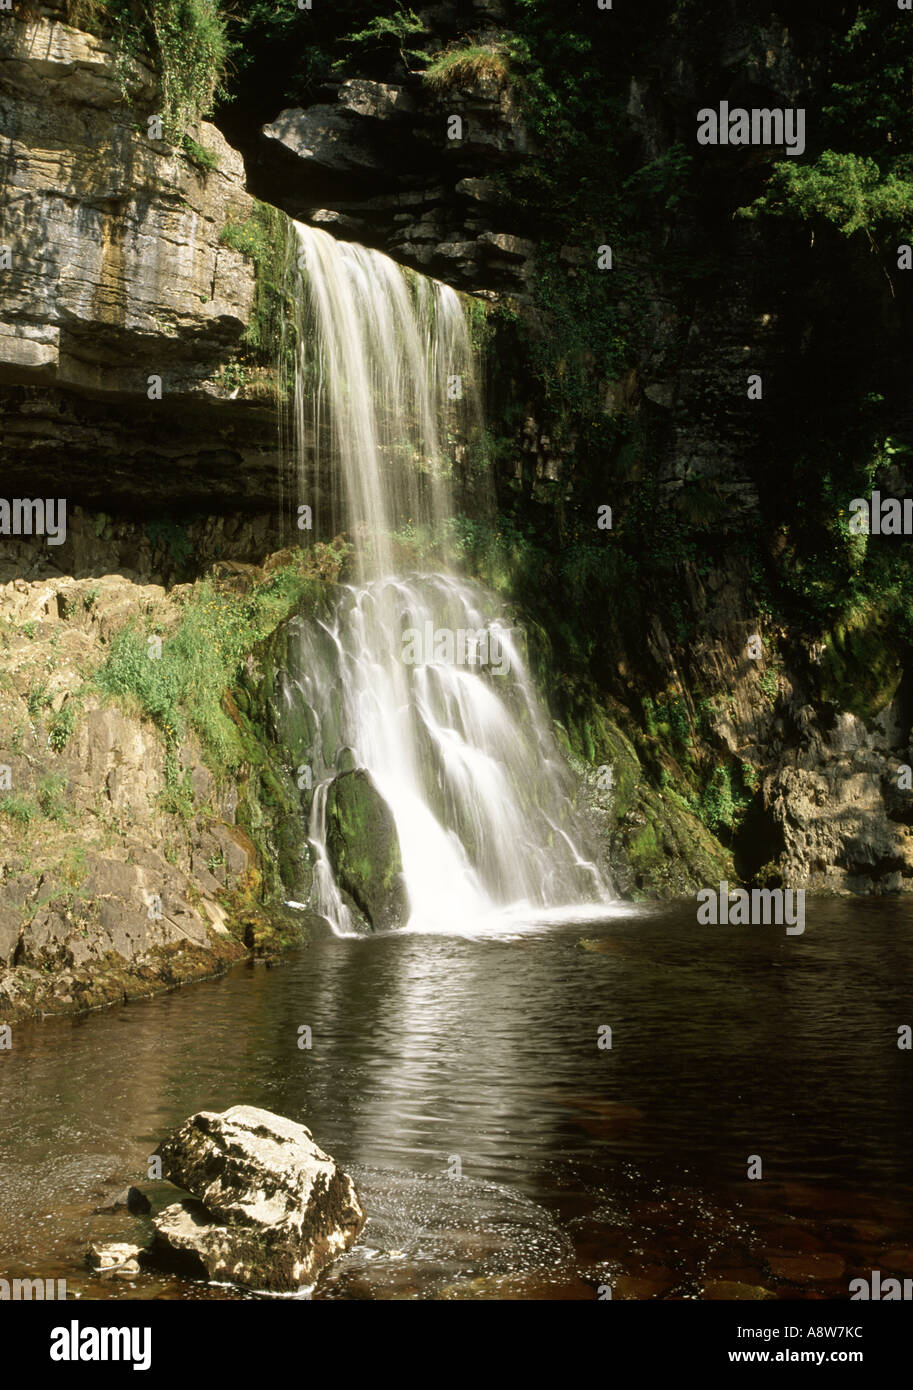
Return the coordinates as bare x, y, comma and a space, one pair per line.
118, 273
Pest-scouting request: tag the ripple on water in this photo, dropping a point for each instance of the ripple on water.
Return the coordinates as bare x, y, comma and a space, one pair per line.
428, 1234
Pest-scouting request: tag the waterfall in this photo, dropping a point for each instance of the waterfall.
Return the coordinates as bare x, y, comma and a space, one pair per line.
420, 679
384, 376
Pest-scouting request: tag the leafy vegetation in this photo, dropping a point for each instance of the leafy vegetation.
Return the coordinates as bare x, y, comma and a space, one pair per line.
385, 31
186, 39
49, 803
61, 726
467, 64
51, 797
171, 536
721, 804
199, 154
848, 190
283, 55
861, 175
19, 810
185, 686
265, 236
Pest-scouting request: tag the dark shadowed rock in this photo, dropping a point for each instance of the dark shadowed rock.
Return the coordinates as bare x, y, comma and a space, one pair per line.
270, 1209
136, 1202
326, 137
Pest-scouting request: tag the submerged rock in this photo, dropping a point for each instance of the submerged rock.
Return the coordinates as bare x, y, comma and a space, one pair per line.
731, 1290
136, 1202
364, 849
270, 1209
119, 1258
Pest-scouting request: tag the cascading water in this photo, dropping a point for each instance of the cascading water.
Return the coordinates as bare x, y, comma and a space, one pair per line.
416, 678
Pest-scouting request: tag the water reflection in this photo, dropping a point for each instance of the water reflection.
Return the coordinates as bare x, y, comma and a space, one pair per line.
578, 1163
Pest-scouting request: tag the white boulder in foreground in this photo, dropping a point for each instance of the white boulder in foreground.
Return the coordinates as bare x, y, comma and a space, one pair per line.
271, 1208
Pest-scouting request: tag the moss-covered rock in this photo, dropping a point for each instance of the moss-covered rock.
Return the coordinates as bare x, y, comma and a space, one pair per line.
364, 849
655, 846
662, 849
860, 668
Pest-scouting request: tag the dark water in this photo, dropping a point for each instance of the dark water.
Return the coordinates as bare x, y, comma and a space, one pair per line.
580, 1166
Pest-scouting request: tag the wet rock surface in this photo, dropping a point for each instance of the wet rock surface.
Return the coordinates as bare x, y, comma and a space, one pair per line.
364, 849
372, 161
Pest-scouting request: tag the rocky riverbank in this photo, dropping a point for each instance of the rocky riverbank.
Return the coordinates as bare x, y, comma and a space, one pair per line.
137, 853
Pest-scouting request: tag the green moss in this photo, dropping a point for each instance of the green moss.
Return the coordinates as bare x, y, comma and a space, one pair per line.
644, 850
199, 154
363, 847
861, 669
267, 238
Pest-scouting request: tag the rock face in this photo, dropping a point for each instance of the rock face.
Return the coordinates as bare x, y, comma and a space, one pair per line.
270, 1208
376, 165
364, 849
109, 888
836, 812
118, 272
129, 254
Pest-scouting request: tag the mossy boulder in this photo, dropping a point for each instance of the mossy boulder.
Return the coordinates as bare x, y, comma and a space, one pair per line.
364, 849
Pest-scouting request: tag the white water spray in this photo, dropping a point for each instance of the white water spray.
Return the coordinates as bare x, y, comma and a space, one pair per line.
459, 749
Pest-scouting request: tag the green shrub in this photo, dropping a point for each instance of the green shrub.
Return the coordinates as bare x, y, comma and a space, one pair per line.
61, 726
384, 32
723, 802
848, 190
768, 683
21, 810
186, 686
173, 537
51, 797
38, 699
